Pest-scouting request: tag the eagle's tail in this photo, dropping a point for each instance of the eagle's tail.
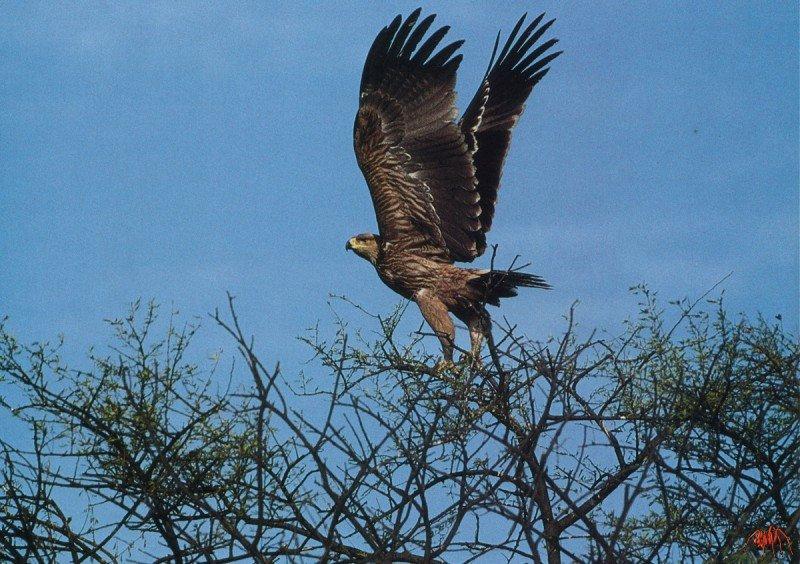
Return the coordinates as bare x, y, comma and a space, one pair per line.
496, 284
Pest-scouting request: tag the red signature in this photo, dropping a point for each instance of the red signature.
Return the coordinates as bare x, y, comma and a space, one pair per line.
772, 538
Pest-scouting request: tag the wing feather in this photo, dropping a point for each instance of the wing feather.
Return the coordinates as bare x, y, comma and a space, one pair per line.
498, 104
412, 153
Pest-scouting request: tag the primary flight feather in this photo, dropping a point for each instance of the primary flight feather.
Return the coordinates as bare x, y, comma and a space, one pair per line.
434, 180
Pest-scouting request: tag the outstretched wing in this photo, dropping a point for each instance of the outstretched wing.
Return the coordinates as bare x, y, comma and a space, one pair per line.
498, 104
411, 151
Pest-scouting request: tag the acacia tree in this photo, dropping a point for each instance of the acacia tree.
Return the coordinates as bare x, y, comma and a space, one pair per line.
664, 443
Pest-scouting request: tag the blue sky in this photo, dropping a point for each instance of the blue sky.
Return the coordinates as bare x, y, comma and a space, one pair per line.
178, 151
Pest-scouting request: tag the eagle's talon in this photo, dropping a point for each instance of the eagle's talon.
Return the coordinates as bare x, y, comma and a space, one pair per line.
475, 362
444, 365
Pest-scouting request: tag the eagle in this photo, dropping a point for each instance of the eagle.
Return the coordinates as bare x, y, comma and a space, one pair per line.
434, 180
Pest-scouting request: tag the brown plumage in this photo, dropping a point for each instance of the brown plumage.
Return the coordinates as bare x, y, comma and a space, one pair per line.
433, 180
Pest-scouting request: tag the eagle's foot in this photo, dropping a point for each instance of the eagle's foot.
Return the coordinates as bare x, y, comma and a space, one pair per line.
474, 361
444, 365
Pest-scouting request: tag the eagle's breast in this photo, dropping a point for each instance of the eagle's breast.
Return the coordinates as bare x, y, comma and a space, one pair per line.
406, 273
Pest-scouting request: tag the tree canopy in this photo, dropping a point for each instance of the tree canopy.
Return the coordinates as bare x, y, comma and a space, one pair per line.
675, 440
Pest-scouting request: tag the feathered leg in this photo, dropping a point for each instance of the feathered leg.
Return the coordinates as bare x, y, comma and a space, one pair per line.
479, 326
437, 316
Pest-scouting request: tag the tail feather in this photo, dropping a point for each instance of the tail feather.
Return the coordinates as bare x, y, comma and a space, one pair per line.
497, 284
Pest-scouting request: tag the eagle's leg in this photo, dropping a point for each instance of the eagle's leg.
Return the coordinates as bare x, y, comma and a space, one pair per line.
435, 313
479, 326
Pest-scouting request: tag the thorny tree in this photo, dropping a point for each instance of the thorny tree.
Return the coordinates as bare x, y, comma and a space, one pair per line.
669, 442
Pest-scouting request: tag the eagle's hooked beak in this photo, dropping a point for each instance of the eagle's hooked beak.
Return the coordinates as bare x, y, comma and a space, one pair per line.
349, 245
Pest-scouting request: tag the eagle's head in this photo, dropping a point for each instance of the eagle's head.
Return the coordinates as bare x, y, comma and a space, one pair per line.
364, 245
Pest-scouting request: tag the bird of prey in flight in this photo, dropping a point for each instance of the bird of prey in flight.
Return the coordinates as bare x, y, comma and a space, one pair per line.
434, 180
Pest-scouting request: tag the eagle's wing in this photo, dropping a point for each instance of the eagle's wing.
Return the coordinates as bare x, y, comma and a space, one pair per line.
411, 151
497, 106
